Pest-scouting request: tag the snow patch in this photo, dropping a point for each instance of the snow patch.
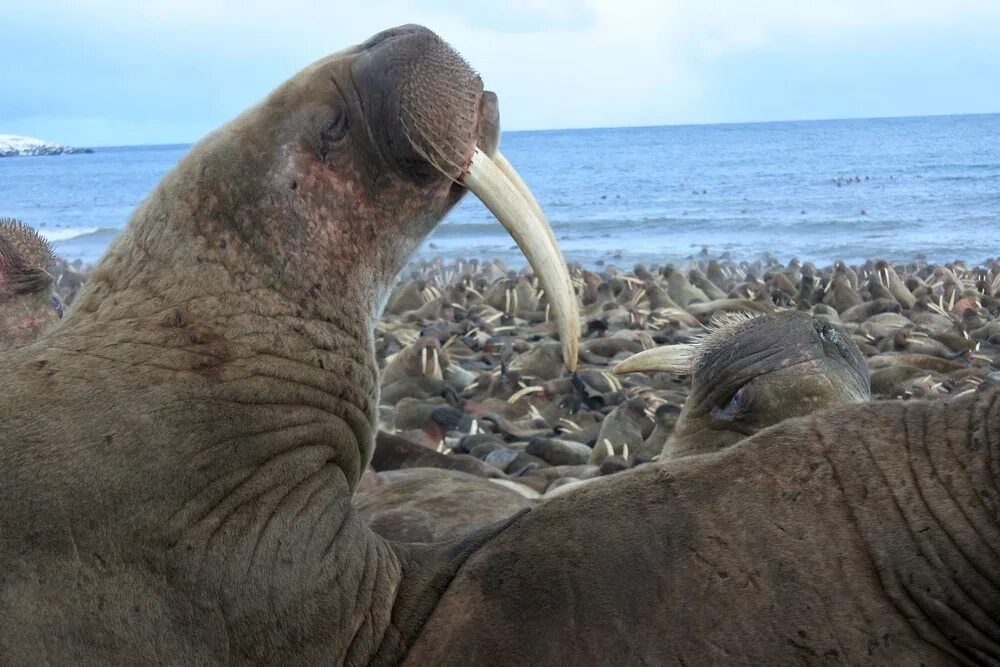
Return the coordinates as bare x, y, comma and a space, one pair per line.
12, 145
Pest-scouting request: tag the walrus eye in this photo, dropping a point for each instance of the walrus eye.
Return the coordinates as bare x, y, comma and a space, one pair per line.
334, 133
736, 408
828, 333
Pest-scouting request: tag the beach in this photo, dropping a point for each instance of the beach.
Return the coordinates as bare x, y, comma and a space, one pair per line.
472, 375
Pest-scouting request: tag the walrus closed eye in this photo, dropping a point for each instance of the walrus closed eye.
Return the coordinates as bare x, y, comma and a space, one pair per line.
753, 371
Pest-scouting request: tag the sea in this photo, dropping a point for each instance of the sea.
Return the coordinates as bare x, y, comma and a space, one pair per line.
893, 188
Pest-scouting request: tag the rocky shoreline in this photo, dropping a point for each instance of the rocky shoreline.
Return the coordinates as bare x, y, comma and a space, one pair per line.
472, 379
18, 146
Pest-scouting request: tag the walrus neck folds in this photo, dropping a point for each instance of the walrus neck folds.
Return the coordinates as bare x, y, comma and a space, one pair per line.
228, 307
939, 474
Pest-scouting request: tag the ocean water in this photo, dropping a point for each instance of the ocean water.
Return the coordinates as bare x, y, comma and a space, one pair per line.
896, 188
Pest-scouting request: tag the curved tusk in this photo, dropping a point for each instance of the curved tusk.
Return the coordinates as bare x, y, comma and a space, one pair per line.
534, 237
676, 359
522, 188
521, 393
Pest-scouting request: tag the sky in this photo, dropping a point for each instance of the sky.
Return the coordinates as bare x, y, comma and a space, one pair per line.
120, 72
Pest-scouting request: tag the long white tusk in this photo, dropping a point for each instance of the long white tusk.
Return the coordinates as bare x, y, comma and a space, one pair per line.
534, 237
676, 359
521, 393
522, 188
438, 371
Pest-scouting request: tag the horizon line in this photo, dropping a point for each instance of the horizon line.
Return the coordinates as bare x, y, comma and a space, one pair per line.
649, 126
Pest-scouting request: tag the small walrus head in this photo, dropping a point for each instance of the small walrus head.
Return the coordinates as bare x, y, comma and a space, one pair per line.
29, 303
750, 372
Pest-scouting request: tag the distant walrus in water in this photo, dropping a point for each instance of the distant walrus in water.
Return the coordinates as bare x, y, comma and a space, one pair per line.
750, 372
29, 303
177, 458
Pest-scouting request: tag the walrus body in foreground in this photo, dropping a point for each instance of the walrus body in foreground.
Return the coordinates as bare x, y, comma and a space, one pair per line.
862, 535
178, 455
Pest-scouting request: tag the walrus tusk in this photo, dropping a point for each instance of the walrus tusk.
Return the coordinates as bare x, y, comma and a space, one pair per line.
522, 188
534, 237
674, 359
521, 393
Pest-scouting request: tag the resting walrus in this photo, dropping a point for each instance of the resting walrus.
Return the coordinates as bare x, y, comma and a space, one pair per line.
178, 455
29, 303
753, 371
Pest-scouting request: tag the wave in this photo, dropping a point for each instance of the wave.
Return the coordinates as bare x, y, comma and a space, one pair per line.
52, 235
78, 233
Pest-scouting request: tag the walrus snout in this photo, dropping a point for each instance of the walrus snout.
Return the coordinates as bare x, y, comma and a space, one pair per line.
436, 118
425, 96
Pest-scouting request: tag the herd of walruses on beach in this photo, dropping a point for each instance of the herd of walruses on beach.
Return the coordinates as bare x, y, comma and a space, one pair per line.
180, 451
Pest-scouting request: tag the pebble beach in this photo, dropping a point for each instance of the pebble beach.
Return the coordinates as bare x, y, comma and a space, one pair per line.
472, 377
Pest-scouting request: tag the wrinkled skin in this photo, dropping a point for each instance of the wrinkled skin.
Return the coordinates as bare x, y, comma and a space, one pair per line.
430, 504
866, 534
763, 371
180, 451
178, 457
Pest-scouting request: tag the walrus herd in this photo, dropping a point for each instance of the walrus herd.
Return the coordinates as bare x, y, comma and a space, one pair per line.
179, 452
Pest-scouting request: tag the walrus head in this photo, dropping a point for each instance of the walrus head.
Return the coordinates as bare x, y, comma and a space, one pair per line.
29, 303
298, 215
750, 372
339, 174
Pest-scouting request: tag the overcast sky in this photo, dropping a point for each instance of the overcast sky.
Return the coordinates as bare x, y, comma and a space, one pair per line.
113, 72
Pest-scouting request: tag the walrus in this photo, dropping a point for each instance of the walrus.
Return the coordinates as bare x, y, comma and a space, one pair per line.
753, 371
219, 366
178, 455
29, 302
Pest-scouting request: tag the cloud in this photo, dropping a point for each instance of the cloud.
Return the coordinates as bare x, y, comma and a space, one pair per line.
185, 66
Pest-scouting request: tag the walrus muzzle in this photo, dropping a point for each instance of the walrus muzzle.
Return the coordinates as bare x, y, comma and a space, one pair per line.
440, 118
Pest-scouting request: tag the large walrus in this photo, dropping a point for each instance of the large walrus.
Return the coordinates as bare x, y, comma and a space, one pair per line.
178, 454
